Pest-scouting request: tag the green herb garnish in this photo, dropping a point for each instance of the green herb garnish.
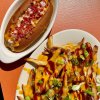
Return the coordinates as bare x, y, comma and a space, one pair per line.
56, 83
70, 57
51, 98
87, 64
27, 98
82, 57
60, 61
98, 88
89, 92
67, 98
86, 54
92, 61
75, 61
83, 46
40, 82
49, 95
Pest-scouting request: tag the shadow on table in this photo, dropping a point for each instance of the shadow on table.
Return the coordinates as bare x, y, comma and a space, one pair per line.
12, 66
1, 93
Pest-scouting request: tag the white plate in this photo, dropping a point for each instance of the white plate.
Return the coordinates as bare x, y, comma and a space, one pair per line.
63, 37
6, 55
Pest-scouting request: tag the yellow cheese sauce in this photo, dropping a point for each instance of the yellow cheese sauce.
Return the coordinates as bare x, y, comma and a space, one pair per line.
70, 74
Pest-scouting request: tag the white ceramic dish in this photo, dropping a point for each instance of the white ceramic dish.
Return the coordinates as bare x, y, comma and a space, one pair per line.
63, 37
6, 55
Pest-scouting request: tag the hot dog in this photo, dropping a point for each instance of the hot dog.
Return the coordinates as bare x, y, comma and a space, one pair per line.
28, 24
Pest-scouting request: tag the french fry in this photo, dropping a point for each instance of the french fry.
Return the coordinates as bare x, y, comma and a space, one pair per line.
20, 98
82, 41
23, 89
95, 49
55, 55
31, 77
65, 86
37, 62
94, 90
50, 42
27, 91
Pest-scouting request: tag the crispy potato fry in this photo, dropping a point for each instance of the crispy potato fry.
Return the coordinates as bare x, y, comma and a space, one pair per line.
55, 55
31, 77
27, 91
82, 41
95, 49
38, 80
65, 86
29, 86
37, 62
20, 98
50, 42
94, 90
23, 89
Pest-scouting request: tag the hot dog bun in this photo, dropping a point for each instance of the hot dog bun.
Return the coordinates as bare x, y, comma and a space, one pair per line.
36, 32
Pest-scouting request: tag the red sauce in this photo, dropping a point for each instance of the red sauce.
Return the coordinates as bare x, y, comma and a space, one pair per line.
47, 71
52, 65
61, 91
35, 97
42, 88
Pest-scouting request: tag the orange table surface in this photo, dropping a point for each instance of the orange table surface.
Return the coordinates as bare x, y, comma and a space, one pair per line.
77, 14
